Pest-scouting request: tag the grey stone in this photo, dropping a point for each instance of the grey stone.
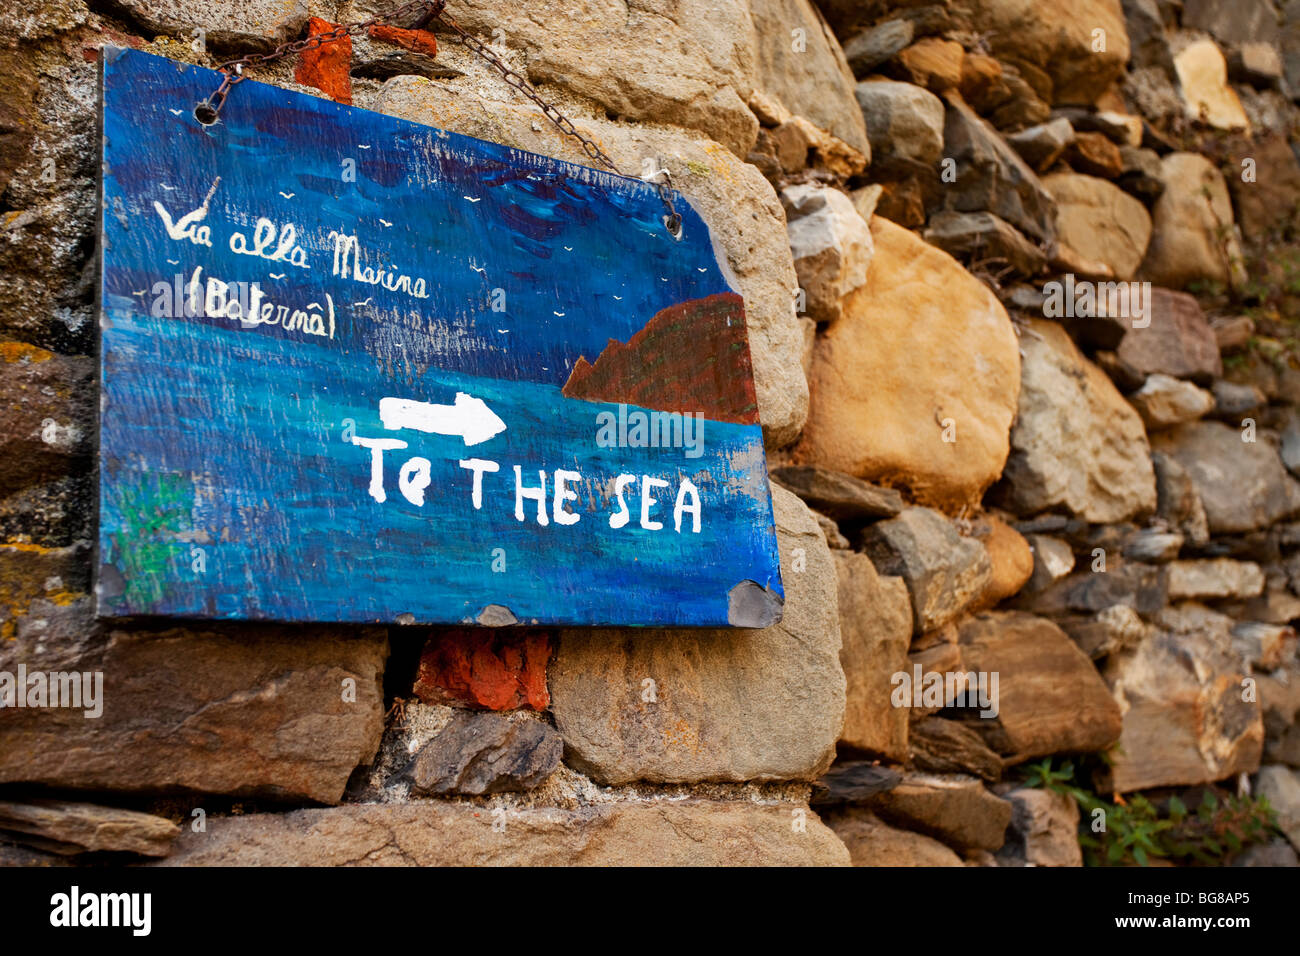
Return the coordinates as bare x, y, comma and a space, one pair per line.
485, 752
1044, 829
1259, 64
1264, 646
1053, 559
1140, 173
870, 48
1077, 444
1146, 35
853, 782
1242, 484
1043, 144
904, 121
1143, 587
1281, 787
838, 495
1177, 341
1241, 21
1276, 852
1233, 402
944, 572
1178, 503
992, 177
983, 237
831, 245
1153, 546
1107, 632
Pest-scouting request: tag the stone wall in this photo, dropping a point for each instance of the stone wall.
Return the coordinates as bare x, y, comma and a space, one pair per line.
1020, 283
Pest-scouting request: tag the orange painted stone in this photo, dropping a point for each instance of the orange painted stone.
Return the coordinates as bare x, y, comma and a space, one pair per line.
327, 67
417, 41
481, 669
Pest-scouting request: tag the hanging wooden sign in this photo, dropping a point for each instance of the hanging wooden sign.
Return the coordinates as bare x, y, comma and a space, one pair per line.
358, 369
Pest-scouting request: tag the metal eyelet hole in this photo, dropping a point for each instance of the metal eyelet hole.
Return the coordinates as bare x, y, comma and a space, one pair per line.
206, 114
673, 224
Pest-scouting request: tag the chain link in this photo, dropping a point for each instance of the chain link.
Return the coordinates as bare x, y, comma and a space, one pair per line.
209, 111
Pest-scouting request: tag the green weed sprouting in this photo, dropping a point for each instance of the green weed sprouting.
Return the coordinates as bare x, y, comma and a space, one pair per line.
1138, 830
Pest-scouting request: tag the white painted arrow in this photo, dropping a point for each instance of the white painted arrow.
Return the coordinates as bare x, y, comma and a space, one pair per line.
468, 417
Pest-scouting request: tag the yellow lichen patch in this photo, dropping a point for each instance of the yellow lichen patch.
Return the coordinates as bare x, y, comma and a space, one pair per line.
22, 352
683, 735
723, 161
29, 572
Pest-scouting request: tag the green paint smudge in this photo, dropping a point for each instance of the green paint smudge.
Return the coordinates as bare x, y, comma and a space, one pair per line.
156, 510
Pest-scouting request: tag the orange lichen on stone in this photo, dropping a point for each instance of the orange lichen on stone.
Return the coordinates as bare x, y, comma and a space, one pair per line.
326, 67
417, 41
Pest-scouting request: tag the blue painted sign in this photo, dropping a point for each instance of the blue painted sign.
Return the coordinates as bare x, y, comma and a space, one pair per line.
359, 369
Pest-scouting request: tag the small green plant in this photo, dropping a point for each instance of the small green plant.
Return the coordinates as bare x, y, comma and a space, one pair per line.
1136, 830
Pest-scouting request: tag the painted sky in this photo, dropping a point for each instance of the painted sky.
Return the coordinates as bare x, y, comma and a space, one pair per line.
469, 216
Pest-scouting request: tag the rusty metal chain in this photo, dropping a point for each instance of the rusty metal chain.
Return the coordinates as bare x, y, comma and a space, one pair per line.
209, 111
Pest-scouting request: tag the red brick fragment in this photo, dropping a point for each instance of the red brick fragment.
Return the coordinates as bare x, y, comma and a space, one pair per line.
417, 41
485, 669
327, 67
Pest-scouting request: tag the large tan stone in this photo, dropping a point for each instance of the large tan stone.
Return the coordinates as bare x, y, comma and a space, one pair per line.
1193, 233
923, 351
876, 630
255, 24
1049, 696
805, 71
1077, 443
954, 808
692, 64
739, 205
1203, 80
285, 713
437, 833
1185, 720
872, 843
1099, 224
686, 706
1060, 38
